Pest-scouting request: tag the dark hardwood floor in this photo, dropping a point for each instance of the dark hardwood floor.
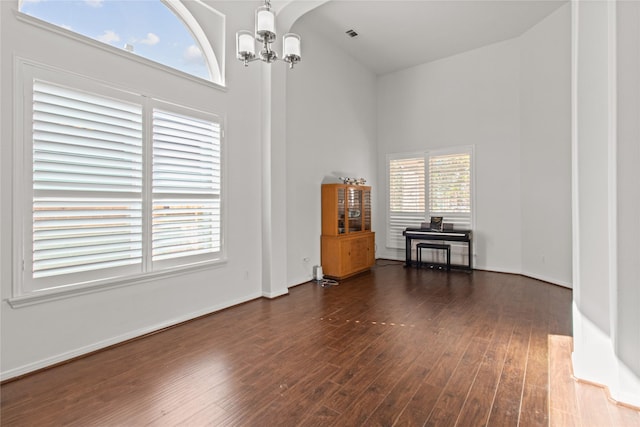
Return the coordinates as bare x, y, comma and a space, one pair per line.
395, 346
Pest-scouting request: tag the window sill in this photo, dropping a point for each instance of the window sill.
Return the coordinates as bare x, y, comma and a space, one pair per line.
49, 295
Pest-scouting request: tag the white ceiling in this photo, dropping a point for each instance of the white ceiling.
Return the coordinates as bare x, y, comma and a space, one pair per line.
396, 34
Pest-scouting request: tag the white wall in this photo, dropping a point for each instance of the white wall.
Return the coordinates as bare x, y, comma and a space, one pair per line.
46, 333
606, 104
511, 101
628, 178
592, 208
545, 157
330, 132
468, 99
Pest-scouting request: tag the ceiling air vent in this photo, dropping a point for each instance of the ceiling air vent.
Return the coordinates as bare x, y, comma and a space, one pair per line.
351, 33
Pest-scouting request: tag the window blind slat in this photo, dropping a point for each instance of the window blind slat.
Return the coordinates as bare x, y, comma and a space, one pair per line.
74, 148
89, 120
119, 260
78, 139
164, 155
74, 242
53, 90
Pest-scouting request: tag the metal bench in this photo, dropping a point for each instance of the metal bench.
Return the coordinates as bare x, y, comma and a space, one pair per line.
441, 246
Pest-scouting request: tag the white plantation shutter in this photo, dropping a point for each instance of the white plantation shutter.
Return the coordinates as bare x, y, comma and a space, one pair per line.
87, 182
186, 186
450, 188
110, 186
437, 183
406, 197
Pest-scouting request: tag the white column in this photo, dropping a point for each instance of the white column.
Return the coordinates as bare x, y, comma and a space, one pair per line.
606, 337
274, 156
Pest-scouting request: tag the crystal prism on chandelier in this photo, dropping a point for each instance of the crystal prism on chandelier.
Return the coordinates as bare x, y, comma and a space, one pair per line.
265, 33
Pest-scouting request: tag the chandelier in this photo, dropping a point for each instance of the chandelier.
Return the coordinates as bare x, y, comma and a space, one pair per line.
266, 34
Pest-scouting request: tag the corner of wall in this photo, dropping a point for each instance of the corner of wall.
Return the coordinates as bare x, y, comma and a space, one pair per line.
595, 361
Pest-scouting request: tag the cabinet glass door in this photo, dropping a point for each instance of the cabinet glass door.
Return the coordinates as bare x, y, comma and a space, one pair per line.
354, 211
367, 211
341, 219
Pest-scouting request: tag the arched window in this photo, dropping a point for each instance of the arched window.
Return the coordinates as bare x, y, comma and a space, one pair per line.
162, 31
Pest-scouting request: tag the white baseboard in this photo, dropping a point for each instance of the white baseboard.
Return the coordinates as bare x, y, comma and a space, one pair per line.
549, 279
541, 277
62, 357
299, 281
275, 294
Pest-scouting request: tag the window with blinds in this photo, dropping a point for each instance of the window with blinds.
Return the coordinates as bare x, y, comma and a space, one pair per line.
436, 183
186, 186
450, 188
111, 193
87, 182
406, 196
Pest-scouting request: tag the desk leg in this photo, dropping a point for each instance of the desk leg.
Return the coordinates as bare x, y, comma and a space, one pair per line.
470, 244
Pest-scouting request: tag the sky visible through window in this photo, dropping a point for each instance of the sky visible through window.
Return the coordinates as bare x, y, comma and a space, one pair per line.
148, 27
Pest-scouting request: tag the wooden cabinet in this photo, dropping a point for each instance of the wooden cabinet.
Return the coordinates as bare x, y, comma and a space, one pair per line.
347, 255
347, 242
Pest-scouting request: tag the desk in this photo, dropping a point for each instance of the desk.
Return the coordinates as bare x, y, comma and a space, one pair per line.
449, 236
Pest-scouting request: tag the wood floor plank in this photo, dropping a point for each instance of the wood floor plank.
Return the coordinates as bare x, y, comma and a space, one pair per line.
593, 400
380, 359
295, 403
563, 419
477, 406
419, 408
396, 363
394, 402
562, 385
451, 401
534, 408
396, 346
355, 375
622, 415
506, 407
321, 417
210, 415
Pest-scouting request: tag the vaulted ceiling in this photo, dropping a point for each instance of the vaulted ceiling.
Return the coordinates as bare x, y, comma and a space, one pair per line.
397, 34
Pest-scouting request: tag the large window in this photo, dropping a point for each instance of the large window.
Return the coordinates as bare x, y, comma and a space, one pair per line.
113, 184
421, 185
